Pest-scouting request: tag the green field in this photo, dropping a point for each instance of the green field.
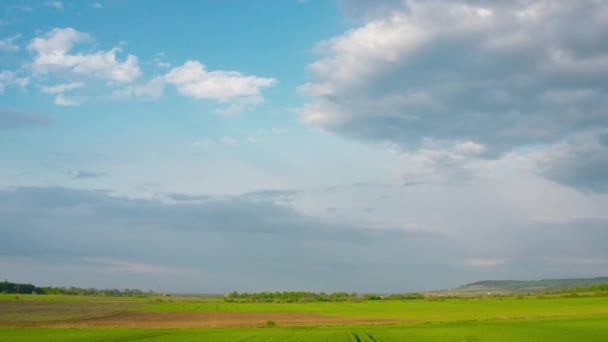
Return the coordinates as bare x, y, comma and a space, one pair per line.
479, 319
590, 329
416, 310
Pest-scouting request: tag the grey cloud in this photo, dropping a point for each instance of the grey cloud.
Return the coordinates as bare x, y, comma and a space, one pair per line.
502, 74
412, 183
82, 174
238, 236
603, 139
579, 238
239, 243
17, 119
360, 185
582, 165
435, 166
271, 195
187, 198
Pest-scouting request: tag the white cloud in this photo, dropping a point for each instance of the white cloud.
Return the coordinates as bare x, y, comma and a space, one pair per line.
160, 63
240, 105
97, 5
61, 88
470, 148
10, 78
53, 54
61, 100
55, 4
410, 71
194, 80
434, 165
7, 44
458, 73
153, 89
229, 141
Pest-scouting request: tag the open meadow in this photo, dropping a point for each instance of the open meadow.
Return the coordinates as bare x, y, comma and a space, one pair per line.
82, 318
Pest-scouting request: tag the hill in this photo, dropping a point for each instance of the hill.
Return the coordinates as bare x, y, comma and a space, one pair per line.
526, 286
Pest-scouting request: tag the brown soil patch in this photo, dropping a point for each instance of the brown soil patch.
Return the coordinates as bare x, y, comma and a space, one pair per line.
24, 312
213, 319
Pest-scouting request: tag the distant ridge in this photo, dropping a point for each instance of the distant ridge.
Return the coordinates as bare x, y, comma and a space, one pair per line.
528, 285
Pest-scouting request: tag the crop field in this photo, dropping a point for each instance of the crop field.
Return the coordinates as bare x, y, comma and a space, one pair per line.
66, 318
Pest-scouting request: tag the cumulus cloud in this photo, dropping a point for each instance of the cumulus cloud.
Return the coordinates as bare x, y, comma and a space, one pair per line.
484, 77
53, 54
194, 80
492, 76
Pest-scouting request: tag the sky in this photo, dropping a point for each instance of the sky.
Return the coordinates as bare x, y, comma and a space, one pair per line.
349, 145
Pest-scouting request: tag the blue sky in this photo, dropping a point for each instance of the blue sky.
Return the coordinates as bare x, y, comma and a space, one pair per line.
352, 145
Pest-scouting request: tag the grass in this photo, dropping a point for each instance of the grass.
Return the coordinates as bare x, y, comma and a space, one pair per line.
479, 319
61, 298
416, 310
590, 329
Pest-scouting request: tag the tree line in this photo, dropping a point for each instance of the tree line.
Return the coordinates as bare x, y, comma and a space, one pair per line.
304, 296
16, 288
593, 288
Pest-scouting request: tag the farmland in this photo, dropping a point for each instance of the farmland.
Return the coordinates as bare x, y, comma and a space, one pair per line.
81, 318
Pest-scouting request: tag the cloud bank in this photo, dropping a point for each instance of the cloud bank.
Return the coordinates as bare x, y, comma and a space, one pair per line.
489, 76
250, 242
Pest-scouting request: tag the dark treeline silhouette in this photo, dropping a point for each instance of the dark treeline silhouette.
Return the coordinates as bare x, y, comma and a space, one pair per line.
6, 287
15, 288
